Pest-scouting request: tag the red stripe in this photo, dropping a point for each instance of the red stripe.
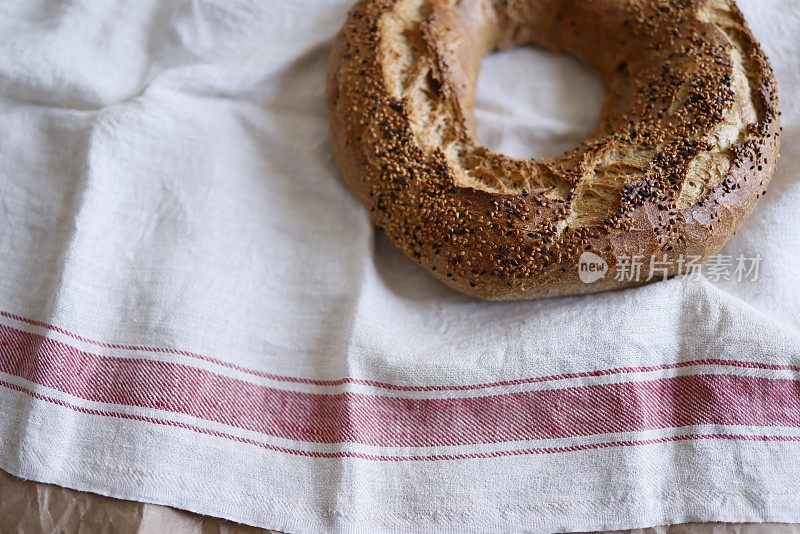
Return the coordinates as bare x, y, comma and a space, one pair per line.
412, 458
404, 387
386, 421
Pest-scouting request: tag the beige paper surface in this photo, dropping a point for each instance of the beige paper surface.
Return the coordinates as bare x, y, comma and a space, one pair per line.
31, 507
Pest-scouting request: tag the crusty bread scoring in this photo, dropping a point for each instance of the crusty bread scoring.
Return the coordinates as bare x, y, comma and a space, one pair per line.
687, 141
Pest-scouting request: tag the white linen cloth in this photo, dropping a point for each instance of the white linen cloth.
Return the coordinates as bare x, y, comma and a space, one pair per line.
194, 311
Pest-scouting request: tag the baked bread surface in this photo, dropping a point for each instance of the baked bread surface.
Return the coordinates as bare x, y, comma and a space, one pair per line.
686, 144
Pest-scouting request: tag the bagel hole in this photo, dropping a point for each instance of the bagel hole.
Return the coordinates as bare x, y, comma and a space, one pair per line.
534, 104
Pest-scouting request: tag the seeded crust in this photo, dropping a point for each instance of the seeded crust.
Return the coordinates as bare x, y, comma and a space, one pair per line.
686, 144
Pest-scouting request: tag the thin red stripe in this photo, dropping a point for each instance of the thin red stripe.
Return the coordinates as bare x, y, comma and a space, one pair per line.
741, 364
387, 421
412, 458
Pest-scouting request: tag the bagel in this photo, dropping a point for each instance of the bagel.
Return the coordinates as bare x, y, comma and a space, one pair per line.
686, 143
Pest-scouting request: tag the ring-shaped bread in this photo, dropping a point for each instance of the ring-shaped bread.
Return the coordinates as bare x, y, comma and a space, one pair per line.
686, 143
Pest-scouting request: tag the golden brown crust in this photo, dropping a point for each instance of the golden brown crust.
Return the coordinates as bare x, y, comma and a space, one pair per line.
686, 144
